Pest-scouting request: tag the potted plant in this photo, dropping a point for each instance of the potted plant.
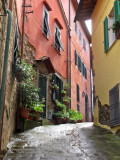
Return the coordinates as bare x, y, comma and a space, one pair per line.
56, 87
57, 117
66, 115
29, 94
80, 118
60, 106
63, 92
67, 86
37, 108
66, 101
24, 71
116, 28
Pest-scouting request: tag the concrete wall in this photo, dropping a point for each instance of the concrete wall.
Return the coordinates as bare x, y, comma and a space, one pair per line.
106, 65
11, 86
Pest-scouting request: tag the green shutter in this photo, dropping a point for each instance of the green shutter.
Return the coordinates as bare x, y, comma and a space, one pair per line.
60, 89
116, 10
106, 41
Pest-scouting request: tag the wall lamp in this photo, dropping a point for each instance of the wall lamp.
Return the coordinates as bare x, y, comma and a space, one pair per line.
83, 94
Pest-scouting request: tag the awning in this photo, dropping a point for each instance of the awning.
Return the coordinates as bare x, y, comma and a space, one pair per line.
48, 63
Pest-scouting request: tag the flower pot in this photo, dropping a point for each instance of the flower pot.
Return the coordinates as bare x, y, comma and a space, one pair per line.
63, 120
66, 103
58, 120
30, 117
118, 34
37, 114
24, 112
63, 94
67, 120
79, 121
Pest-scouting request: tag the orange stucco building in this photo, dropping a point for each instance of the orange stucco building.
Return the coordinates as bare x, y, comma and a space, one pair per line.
80, 65
71, 59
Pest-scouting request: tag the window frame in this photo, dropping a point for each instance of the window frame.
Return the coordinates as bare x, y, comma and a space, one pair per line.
61, 45
45, 10
76, 27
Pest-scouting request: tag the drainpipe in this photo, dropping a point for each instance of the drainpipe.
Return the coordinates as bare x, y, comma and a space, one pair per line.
2, 92
67, 56
70, 49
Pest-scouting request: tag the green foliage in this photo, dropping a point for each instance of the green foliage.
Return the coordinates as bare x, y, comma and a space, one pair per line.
55, 86
67, 86
116, 26
63, 91
57, 114
26, 70
75, 115
29, 93
67, 99
38, 107
61, 105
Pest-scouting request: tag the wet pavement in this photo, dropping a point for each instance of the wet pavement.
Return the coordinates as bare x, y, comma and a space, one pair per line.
65, 142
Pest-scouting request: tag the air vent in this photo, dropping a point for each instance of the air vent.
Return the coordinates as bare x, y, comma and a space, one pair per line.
114, 100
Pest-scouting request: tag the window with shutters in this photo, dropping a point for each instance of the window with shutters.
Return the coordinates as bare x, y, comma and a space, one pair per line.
78, 108
76, 28
78, 97
76, 58
57, 94
109, 36
58, 43
46, 28
84, 44
80, 36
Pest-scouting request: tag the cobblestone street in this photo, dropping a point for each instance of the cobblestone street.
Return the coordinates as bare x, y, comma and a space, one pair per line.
65, 142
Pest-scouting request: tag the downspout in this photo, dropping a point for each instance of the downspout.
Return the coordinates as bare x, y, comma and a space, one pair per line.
67, 57
2, 92
70, 49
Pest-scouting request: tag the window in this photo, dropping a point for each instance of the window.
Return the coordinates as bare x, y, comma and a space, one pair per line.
79, 63
76, 58
84, 44
109, 36
85, 72
58, 43
80, 36
46, 28
78, 98
78, 108
57, 94
76, 27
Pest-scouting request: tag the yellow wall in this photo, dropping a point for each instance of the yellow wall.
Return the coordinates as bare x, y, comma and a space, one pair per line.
106, 65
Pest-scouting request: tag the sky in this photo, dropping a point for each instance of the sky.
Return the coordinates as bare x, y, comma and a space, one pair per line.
88, 23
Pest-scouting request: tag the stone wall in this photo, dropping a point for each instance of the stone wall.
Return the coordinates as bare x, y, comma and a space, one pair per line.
104, 114
9, 121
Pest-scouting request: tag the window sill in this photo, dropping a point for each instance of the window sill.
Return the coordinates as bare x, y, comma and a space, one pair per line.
112, 45
57, 49
45, 36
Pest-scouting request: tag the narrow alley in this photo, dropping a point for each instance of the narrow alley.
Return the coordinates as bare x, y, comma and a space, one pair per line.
81, 141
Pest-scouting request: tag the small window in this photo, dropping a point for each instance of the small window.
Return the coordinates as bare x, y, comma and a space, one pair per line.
78, 98
58, 43
78, 108
76, 58
85, 74
79, 63
46, 28
84, 44
76, 27
80, 36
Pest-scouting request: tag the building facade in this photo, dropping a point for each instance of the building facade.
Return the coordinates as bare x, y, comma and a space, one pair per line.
80, 68
105, 61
